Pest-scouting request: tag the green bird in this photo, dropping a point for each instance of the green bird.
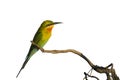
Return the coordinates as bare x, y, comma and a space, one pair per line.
41, 37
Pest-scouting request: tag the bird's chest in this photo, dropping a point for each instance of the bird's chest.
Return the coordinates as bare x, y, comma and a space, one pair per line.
44, 38
46, 35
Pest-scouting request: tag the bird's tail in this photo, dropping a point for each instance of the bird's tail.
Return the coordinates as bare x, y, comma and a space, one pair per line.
31, 52
25, 62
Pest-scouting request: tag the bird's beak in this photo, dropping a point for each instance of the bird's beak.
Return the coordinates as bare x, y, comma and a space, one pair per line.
57, 23
54, 23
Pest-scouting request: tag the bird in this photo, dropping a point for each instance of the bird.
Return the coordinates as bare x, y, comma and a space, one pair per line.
41, 37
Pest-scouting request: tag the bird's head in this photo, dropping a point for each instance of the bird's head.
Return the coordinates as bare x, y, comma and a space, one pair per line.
48, 25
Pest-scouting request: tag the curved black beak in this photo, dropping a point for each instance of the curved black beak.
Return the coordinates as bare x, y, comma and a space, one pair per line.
57, 23
54, 23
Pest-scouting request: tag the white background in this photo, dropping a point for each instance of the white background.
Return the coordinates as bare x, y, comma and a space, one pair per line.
89, 26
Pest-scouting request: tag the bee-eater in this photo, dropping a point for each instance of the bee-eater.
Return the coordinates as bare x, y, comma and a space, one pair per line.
41, 37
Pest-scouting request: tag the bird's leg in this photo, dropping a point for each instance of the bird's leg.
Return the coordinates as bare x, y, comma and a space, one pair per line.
37, 46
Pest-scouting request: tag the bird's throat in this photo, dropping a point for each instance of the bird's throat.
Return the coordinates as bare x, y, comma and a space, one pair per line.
49, 28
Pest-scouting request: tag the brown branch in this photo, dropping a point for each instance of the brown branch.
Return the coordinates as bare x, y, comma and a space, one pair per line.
110, 73
86, 74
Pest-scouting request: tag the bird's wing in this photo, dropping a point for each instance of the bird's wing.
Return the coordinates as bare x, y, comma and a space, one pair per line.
37, 38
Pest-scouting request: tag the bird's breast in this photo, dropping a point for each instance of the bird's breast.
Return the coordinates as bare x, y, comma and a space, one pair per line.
46, 35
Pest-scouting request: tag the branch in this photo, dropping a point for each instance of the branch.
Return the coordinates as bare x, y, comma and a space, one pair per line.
110, 73
86, 74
